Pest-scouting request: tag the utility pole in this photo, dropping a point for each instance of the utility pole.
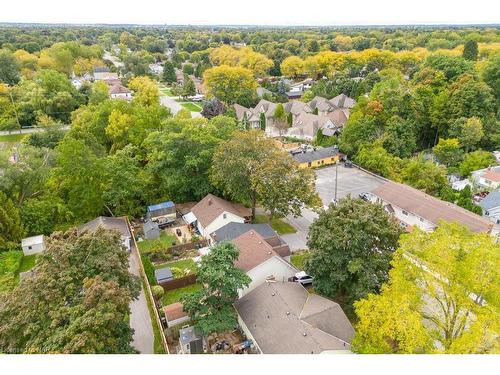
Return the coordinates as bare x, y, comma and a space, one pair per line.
336, 175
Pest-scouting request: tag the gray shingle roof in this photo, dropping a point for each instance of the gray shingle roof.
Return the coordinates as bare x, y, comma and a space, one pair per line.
284, 318
232, 230
118, 224
317, 154
163, 274
492, 200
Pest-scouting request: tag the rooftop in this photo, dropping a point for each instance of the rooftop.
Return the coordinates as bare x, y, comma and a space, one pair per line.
232, 230
30, 241
210, 207
492, 200
254, 250
317, 154
284, 318
161, 206
163, 274
428, 207
118, 224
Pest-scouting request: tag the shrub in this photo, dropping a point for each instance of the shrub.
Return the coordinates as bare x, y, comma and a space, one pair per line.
158, 291
148, 269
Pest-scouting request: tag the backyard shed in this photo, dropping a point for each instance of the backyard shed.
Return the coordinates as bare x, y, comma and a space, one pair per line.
33, 245
162, 210
151, 230
163, 275
190, 341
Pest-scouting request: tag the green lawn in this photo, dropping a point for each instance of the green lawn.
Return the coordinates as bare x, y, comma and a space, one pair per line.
298, 259
164, 242
166, 91
10, 262
14, 138
192, 107
175, 295
277, 224
27, 263
178, 267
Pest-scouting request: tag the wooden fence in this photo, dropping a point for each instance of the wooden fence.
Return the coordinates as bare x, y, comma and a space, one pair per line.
179, 282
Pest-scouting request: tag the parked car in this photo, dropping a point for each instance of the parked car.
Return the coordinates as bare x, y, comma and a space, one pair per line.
364, 196
302, 278
178, 232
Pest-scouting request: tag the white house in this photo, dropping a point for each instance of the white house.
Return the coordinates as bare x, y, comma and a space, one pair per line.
412, 207
491, 206
212, 213
488, 178
33, 245
259, 260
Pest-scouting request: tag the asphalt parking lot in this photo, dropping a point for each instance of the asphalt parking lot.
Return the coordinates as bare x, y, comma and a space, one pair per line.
351, 181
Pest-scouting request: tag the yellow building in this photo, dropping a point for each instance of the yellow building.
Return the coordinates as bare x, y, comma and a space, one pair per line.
317, 158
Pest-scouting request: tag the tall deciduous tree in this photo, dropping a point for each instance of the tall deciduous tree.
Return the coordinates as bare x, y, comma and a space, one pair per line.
442, 296
448, 151
211, 307
76, 301
11, 229
9, 69
231, 84
351, 247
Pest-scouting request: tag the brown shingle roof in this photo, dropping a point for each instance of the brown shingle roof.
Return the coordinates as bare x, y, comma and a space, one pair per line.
174, 311
428, 207
254, 250
492, 176
210, 207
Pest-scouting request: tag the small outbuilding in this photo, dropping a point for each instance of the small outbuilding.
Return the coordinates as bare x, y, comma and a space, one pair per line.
151, 230
164, 210
190, 341
33, 245
163, 275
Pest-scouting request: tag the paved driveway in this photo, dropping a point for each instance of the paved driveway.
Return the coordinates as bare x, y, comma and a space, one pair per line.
349, 181
140, 320
169, 102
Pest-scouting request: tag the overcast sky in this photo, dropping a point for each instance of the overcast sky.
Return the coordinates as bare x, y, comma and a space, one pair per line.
253, 12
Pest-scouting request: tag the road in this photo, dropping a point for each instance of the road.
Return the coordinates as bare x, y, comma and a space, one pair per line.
140, 320
169, 102
351, 181
29, 130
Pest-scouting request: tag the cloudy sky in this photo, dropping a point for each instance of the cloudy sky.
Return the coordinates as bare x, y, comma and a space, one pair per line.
253, 12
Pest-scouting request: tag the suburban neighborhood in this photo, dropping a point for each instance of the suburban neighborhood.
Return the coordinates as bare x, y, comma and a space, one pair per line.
187, 190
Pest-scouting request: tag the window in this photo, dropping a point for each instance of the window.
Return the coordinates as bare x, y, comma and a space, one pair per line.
405, 213
309, 164
30, 248
224, 216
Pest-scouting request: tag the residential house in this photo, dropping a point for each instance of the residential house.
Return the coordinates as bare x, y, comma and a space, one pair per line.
212, 213
306, 126
164, 210
116, 224
318, 157
260, 261
118, 91
33, 245
491, 206
231, 231
488, 178
102, 73
283, 318
151, 230
321, 106
343, 101
412, 207
294, 108
156, 68
191, 341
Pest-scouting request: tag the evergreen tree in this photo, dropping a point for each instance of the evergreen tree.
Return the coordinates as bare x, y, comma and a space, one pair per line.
470, 50
169, 73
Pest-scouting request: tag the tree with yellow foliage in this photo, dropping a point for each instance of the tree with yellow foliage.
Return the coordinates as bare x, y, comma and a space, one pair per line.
443, 296
230, 84
292, 66
145, 90
245, 57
